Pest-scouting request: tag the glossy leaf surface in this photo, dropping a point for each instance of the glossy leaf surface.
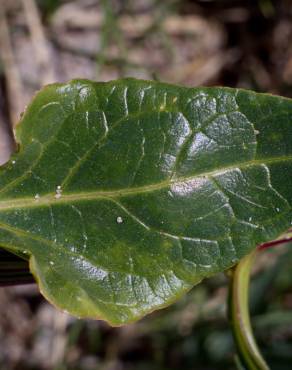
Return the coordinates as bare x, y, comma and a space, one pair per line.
126, 194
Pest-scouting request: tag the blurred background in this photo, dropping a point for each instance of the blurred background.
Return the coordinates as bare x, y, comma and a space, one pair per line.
237, 43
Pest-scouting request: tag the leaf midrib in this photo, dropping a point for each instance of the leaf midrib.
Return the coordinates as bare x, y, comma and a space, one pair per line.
49, 199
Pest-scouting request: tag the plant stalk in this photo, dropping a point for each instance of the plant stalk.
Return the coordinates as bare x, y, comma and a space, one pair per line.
238, 306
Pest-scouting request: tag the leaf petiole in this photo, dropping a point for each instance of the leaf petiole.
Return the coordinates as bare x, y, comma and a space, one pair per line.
248, 351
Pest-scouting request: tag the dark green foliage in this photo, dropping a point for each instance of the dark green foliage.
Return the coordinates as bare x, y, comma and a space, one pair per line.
126, 194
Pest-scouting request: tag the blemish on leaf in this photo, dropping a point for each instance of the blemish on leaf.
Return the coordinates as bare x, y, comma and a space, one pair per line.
120, 220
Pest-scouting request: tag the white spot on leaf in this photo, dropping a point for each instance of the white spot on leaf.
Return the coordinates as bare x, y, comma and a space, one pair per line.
120, 220
58, 192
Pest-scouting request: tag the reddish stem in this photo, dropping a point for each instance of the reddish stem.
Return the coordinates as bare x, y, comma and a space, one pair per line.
275, 242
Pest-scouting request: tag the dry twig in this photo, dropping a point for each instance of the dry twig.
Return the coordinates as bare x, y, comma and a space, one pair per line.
13, 80
39, 41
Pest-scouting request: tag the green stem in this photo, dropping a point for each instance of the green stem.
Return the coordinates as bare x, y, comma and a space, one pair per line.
248, 350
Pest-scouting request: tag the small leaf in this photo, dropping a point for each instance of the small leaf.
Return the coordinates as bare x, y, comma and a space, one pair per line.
126, 194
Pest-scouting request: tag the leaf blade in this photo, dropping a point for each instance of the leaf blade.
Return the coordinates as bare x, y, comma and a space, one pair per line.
128, 193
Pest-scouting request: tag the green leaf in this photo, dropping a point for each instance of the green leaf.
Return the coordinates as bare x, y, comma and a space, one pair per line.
125, 194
